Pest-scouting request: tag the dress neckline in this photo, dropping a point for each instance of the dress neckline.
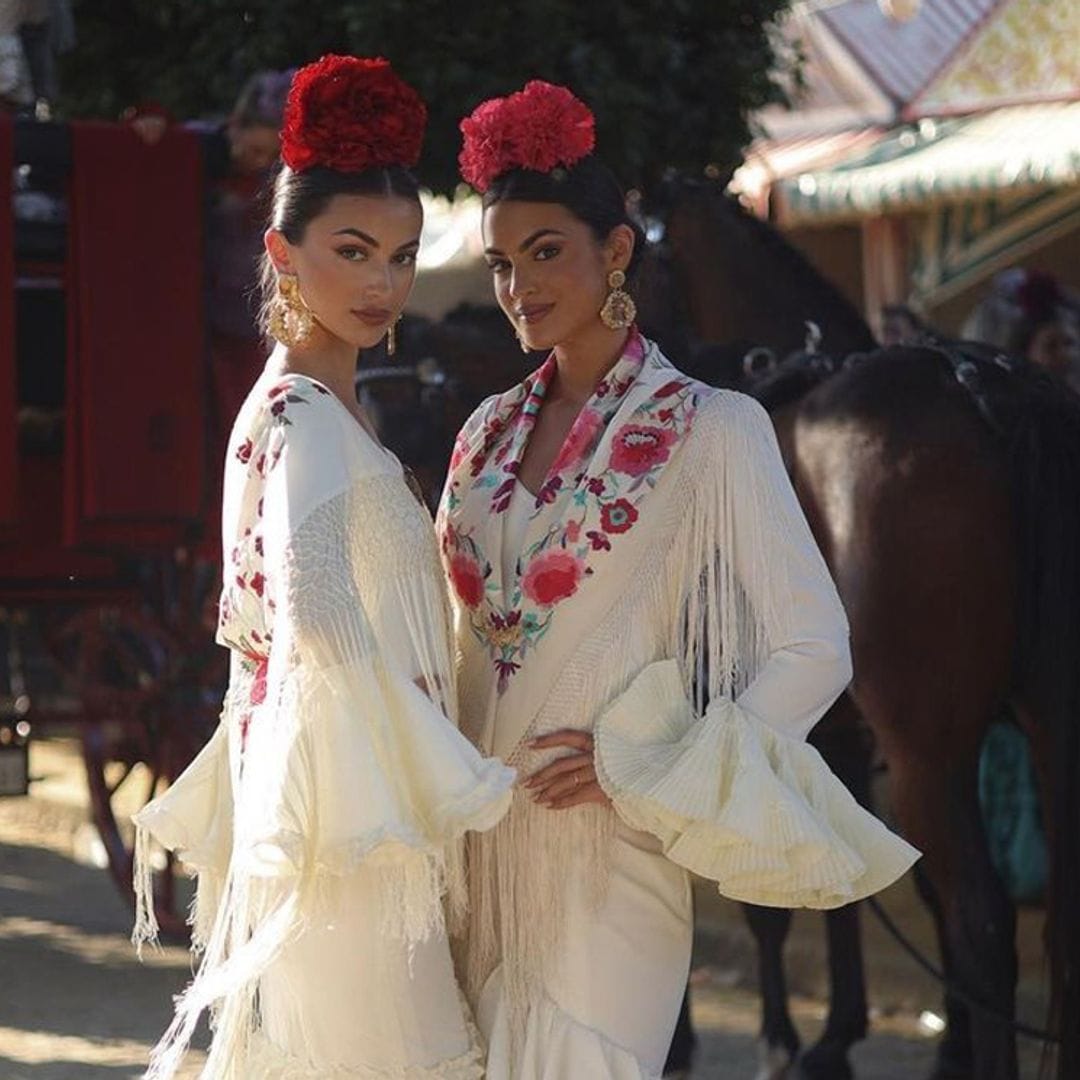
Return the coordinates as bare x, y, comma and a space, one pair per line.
371, 436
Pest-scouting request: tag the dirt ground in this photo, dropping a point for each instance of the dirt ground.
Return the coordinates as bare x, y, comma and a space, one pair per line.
76, 1005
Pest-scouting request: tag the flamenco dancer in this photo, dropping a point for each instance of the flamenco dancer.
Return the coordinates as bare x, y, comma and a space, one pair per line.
324, 817
646, 631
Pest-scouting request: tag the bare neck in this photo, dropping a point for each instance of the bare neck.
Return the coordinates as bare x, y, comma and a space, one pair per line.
325, 358
582, 362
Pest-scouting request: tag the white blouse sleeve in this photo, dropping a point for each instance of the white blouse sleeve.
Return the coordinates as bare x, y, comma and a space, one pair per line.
728, 783
779, 565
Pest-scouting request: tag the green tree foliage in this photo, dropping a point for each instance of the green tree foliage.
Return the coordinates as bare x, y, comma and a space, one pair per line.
671, 81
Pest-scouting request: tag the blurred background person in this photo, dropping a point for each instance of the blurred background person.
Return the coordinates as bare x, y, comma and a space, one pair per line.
240, 151
1028, 313
901, 326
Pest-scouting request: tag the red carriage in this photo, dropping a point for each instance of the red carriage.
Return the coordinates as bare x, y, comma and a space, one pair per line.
107, 507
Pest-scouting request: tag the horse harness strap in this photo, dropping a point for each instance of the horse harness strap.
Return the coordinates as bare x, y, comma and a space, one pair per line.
966, 372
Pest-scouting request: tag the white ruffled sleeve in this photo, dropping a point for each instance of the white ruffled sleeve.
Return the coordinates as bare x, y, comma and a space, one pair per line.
343, 764
727, 781
348, 759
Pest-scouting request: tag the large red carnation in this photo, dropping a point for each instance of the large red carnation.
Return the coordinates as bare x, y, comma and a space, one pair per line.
539, 128
551, 577
638, 448
467, 579
351, 114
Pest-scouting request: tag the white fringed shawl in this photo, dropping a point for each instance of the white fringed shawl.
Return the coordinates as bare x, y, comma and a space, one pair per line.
329, 759
700, 639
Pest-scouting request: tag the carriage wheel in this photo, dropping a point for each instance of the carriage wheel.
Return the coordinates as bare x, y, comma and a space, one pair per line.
137, 732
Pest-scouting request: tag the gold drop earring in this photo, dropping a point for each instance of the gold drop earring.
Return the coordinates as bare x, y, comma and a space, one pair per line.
619, 310
391, 338
290, 318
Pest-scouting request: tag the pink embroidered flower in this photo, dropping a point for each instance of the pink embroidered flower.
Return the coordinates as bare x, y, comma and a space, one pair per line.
467, 580
551, 577
258, 684
638, 448
617, 516
257, 583
243, 451
580, 440
573, 531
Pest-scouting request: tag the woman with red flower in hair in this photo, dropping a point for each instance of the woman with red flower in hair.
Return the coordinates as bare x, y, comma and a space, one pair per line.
656, 635
325, 818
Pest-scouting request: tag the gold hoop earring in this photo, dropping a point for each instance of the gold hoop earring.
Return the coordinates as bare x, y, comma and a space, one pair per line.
619, 310
391, 338
290, 318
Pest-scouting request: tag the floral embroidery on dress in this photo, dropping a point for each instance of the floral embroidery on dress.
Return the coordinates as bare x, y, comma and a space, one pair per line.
602, 491
246, 607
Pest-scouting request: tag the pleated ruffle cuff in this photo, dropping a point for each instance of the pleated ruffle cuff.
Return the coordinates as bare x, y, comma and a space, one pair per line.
739, 803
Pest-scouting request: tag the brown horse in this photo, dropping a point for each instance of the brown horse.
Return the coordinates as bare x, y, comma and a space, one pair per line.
954, 538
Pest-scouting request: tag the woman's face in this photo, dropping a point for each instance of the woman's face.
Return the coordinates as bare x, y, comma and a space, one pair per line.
1056, 346
549, 270
253, 147
355, 264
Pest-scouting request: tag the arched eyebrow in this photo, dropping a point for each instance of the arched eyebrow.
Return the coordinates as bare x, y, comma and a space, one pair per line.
372, 241
359, 236
528, 241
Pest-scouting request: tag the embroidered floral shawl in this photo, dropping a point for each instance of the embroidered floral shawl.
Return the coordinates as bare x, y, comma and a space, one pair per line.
596, 491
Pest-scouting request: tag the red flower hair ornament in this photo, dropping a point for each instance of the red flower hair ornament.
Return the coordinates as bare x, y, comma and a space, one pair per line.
351, 114
540, 127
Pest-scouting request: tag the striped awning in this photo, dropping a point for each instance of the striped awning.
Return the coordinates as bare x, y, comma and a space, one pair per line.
1010, 150
768, 161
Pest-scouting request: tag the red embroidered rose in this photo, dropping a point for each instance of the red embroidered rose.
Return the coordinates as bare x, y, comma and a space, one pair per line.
257, 582
258, 684
551, 577
539, 128
580, 440
467, 580
244, 450
351, 114
618, 516
637, 448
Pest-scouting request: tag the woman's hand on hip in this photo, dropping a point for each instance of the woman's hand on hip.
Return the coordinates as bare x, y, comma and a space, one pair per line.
570, 780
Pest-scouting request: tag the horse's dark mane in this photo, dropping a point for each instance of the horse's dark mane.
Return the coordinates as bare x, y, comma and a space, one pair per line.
844, 327
788, 382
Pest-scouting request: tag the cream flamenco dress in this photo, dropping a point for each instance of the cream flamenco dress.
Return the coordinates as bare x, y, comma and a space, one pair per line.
325, 816
663, 592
